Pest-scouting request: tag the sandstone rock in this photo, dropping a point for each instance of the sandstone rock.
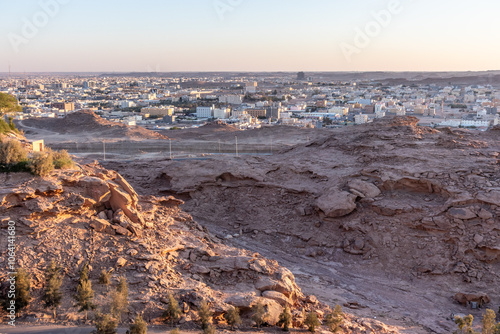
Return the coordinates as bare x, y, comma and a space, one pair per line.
478, 238
121, 262
492, 197
96, 188
278, 297
485, 214
369, 190
266, 283
337, 204
121, 230
462, 213
102, 226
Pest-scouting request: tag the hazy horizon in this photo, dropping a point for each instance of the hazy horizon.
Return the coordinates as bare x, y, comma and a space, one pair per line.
248, 36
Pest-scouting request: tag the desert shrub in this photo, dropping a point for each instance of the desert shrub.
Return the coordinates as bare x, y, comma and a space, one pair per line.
105, 324
62, 160
139, 326
105, 277
312, 322
210, 329
22, 291
335, 319
12, 152
259, 314
175, 331
173, 311
52, 295
41, 163
464, 325
205, 314
285, 319
232, 317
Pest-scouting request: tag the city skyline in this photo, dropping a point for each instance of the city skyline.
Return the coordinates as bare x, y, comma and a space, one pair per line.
252, 36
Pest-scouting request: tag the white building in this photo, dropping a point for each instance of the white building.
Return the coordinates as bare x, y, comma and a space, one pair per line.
338, 110
361, 119
204, 112
231, 99
222, 113
251, 87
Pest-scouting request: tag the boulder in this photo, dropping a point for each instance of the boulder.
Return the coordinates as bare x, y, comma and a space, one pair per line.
337, 204
278, 297
102, 226
266, 283
95, 188
462, 213
493, 197
369, 190
121, 200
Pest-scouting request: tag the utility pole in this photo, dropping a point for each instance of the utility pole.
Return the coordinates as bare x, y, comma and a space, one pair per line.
236, 138
219, 146
104, 149
170, 144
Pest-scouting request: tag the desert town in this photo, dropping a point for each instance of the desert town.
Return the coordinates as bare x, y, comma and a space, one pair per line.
164, 102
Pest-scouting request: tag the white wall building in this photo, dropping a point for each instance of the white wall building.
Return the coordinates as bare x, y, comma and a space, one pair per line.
222, 113
204, 112
361, 119
231, 99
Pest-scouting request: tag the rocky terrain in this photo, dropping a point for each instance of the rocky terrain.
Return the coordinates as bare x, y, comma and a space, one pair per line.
84, 126
392, 220
92, 214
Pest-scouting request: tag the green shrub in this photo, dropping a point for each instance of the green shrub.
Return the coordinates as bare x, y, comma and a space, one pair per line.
42, 163
62, 160
12, 152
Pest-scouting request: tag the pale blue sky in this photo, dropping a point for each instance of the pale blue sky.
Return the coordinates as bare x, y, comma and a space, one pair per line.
250, 35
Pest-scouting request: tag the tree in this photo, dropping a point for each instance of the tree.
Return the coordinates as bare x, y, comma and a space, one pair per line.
173, 311
464, 325
22, 296
232, 317
258, 314
335, 319
8, 103
139, 326
84, 294
205, 314
312, 321
105, 324
285, 318
119, 299
53, 280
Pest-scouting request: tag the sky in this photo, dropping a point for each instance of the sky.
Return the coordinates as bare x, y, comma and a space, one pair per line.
248, 35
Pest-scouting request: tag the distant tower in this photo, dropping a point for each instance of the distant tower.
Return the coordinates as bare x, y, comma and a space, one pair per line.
9, 77
301, 76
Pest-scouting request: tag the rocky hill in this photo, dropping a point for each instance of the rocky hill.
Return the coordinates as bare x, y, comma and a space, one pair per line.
399, 221
87, 125
94, 215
